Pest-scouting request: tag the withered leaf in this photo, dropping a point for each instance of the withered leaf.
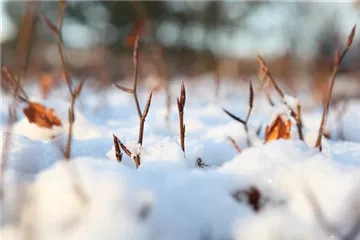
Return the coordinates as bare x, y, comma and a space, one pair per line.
280, 128
38, 114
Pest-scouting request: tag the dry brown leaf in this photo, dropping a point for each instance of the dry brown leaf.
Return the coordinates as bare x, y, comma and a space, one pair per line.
280, 128
38, 114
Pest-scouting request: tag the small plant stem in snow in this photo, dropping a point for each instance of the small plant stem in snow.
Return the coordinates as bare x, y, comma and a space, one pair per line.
181, 105
142, 116
337, 61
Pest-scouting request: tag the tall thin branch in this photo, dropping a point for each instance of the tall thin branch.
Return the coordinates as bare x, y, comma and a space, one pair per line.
142, 115
337, 61
181, 105
245, 122
118, 153
295, 114
74, 94
234, 144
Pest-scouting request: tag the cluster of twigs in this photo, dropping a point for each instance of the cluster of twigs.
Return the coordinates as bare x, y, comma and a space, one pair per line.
295, 114
244, 122
141, 115
181, 105
337, 61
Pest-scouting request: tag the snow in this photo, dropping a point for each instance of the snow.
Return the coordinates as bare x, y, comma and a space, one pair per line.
291, 102
169, 196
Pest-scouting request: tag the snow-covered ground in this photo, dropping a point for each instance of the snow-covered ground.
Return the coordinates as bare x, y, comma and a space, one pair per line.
169, 196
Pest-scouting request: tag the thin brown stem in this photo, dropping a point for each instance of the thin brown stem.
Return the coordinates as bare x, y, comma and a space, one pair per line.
181, 105
118, 153
295, 114
234, 144
136, 70
265, 69
337, 61
245, 122
133, 92
143, 118
15, 85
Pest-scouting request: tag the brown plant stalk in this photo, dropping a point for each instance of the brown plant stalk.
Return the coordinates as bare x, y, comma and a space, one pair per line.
234, 144
74, 94
142, 115
245, 122
295, 114
337, 61
181, 105
118, 153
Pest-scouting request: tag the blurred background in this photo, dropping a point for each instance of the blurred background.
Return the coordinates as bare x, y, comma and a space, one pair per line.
187, 38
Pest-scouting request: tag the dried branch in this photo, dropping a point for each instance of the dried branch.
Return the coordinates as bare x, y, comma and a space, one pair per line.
235, 145
233, 116
268, 97
245, 122
124, 148
118, 153
251, 102
296, 115
181, 106
142, 115
264, 68
73, 93
337, 61
17, 90
142, 119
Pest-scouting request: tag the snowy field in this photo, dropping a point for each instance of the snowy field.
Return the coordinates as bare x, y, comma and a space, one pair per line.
284, 189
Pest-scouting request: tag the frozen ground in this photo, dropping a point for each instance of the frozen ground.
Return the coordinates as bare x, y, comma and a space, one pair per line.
169, 196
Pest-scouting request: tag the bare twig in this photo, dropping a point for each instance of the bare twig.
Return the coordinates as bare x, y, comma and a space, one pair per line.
15, 84
127, 151
142, 115
118, 153
295, 114
268, 97
337, 61
181, 105
74, 94
235, 145
245, 122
